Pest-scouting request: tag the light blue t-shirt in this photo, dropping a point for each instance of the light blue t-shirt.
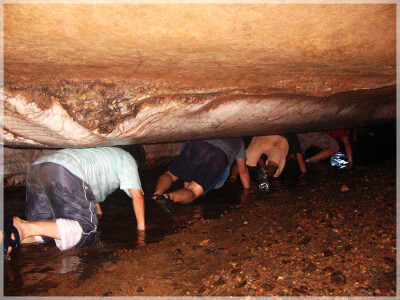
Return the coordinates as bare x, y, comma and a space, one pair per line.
104, 168
234, 149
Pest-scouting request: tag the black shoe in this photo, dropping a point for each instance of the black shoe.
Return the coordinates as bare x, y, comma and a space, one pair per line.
10, 229
165, 203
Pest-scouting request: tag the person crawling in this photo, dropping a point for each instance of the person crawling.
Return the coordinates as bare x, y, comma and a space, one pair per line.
62, 189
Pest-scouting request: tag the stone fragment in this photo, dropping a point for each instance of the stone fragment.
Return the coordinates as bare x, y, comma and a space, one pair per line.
338, 278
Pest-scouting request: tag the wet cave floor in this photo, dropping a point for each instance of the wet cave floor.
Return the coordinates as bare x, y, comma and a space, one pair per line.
329, 233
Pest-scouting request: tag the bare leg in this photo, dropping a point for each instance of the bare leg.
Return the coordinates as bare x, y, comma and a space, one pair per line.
324, 154
301, 162
164, 182
187, 195
27, 230
347, 146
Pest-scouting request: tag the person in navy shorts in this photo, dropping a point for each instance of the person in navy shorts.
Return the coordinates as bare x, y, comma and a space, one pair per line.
202, 165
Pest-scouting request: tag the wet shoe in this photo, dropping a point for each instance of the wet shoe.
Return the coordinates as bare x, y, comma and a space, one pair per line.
10, 229
165, 203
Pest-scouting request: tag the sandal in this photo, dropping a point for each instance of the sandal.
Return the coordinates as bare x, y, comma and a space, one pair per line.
165, 203
10, 229
154, 195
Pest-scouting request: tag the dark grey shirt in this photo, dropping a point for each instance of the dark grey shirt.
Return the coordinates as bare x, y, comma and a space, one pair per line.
233, 148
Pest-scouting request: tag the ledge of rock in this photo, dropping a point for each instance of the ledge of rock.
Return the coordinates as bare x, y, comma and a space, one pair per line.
80, 75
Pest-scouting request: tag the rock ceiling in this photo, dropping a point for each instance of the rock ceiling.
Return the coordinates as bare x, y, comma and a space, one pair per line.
103, 74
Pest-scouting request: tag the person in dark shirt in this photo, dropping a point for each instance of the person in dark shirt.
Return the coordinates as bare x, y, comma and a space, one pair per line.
202, 165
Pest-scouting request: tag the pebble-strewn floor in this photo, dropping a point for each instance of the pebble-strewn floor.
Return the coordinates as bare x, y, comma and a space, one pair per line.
331, 234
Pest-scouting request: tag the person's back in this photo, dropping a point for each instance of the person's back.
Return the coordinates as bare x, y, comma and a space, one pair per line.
276, 148
103, 168
62, 189
321, 139
202, 165
233, 148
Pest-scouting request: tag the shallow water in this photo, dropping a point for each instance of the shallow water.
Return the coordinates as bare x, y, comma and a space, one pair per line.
32, 267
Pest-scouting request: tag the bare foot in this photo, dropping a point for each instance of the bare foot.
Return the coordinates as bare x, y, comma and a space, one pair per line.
20, 225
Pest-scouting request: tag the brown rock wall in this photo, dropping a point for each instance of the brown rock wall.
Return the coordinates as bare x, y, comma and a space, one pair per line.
16, 162
103, 74
205, 46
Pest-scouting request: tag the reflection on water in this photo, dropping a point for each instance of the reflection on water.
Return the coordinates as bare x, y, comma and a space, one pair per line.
70, 264
35, 268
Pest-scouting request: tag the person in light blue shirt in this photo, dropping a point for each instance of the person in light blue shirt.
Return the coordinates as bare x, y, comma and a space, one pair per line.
62, 190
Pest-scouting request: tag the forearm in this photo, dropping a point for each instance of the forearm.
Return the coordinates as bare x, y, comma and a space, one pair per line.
138, 208
99, 212
243, 172
245, 178
301, 162
234, 171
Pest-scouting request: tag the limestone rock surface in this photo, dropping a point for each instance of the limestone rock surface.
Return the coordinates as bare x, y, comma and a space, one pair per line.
79, 75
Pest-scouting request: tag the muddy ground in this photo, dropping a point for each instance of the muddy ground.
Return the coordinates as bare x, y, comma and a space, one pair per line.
330, 235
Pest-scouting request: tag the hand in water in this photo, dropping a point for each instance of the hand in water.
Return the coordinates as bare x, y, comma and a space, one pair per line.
141, 237
243, 195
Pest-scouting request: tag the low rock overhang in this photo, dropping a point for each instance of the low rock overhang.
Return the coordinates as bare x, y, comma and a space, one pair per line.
81, 75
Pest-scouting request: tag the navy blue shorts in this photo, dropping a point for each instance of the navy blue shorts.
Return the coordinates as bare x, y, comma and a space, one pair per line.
53, 192
200, 162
